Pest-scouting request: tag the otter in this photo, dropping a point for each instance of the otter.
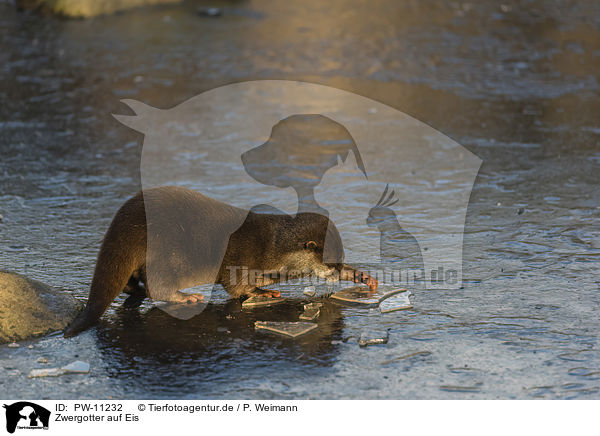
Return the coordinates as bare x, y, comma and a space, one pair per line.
173, 238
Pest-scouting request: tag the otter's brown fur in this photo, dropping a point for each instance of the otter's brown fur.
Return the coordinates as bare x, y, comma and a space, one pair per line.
173, 238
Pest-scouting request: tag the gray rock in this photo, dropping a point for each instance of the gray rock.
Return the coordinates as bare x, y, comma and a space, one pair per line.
29, 308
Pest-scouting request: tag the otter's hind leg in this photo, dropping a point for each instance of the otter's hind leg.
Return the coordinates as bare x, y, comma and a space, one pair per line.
136, 288
162, 291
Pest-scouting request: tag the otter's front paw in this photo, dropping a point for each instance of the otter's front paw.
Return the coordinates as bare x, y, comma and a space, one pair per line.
371, 283
366, 279
266, 293
182, 297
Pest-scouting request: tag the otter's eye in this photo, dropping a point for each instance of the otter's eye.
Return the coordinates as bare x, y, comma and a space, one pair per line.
310, 245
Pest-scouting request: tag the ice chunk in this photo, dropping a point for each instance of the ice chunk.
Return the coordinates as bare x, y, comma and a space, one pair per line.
46, 372
182, 311
256, 301
384, 294
291, 329
309, 291
311, 311
396, 302
359, 295
373, 338
77, 367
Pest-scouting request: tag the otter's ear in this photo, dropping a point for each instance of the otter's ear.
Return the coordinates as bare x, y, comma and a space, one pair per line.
310, 245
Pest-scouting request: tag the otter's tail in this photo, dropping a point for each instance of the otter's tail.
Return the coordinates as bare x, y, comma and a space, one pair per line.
123, 251
82, 322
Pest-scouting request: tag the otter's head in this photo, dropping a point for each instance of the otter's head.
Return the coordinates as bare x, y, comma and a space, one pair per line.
317, 248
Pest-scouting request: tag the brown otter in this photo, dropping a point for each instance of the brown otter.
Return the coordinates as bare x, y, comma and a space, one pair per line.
172, 238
